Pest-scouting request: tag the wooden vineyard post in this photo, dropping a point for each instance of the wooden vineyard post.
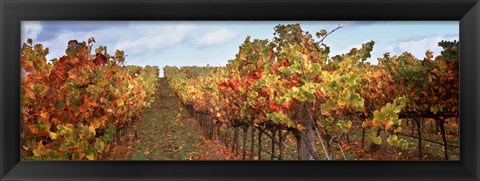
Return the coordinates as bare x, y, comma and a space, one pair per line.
444, 138
235, 141
212, 126
346, 138
419, 132
413, 130
260, 144
274, 131
280, 144
252, 143
244, 149
363, 137
305, 141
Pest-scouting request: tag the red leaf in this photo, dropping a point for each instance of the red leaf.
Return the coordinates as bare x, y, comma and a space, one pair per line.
100, 59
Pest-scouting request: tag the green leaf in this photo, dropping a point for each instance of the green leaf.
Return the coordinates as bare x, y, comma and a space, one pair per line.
321, 33
397, 130
355, 99
373, 130
107, 137
38, 152
345, 125
398, 109
388, 106
284, 70
391, 113
91, 154
403, 144
294, 68
377, 140
70, 52
253, 94
280, 117
329, 105
249, 100
309, 96
317, 68
60, 105
111, 129
41, 126
51, 154
332, 85
392, 139
77, 102
99, 145
78, 155
99, 49
381, 116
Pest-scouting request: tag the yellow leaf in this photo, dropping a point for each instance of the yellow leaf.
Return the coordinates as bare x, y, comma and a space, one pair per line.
78, 156
89, 157
33, 128
120, 102
365, 123
434, 109
375, 122
95, 124
91, 129
44, 115
69, 127
37, 153
53, 135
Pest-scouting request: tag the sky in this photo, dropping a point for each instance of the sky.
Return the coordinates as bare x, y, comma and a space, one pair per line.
200, 43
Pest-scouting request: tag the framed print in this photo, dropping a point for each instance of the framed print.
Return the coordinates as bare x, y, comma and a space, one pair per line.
247, 90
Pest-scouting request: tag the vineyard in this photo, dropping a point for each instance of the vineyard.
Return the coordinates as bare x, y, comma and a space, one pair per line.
279, 99
73, 107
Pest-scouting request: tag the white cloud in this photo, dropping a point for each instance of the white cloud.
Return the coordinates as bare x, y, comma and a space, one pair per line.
133, 39
58, 44
181, 43
156, 38
30, 29
419, 47
216, 37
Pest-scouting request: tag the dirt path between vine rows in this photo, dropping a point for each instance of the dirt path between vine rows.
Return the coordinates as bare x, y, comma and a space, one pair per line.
166, 132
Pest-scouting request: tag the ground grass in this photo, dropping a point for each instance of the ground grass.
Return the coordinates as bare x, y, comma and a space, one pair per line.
165, 132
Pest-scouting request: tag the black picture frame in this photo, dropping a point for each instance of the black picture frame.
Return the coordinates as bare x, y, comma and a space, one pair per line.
12, 12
